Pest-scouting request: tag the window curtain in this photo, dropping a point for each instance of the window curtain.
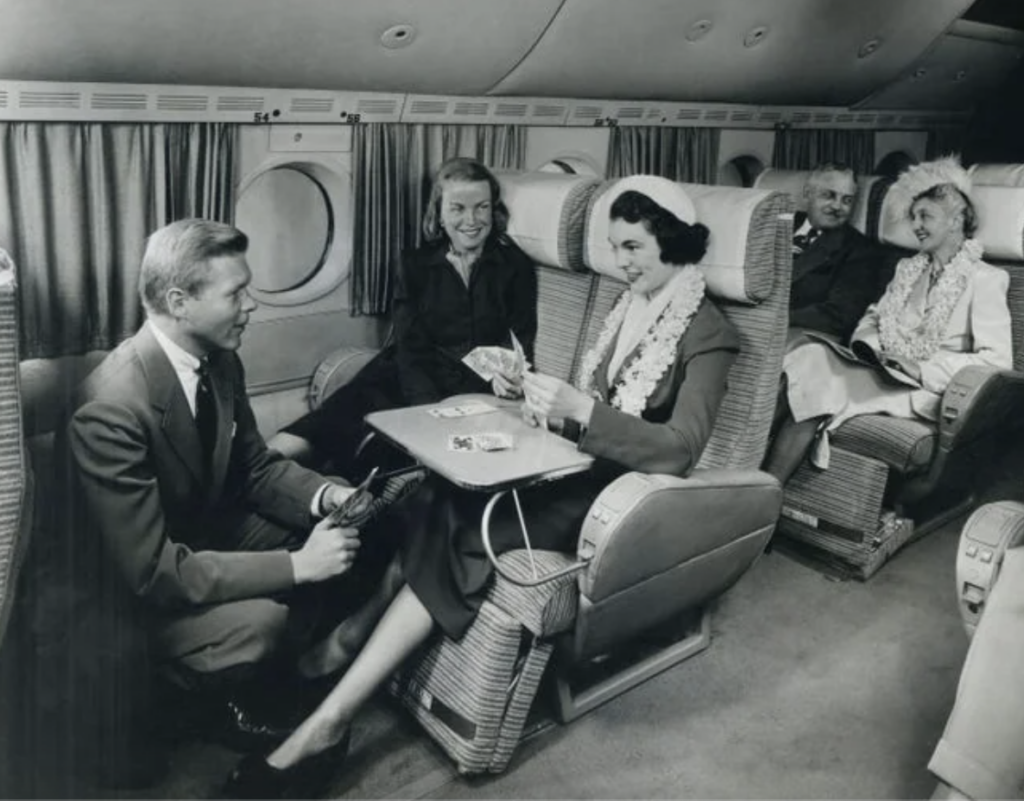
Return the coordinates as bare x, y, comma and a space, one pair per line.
680, 154
943, 142
394, 168
805, 148
77, 202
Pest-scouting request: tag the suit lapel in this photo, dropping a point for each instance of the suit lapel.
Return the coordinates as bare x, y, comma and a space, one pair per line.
177, 422
819, 253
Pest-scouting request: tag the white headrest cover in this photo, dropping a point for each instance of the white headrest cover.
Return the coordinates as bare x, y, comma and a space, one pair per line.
547, 214
1000, 222
792, 182
726, 211
997, 174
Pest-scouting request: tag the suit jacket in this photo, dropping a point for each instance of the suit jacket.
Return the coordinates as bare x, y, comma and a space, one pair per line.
165, 523
674, 428
835, 279
438, 319
978, 332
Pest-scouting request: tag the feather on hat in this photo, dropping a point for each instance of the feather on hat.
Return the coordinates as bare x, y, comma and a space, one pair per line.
922, 177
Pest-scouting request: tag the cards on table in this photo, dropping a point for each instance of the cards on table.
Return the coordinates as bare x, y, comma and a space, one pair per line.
483, 441
461, 410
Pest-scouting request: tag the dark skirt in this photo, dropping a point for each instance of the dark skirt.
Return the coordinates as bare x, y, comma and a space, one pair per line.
443, 557
336, 428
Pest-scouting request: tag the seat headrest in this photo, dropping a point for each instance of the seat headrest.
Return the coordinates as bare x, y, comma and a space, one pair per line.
792, 183
1000, 222
726, 211
547, 213
997, 174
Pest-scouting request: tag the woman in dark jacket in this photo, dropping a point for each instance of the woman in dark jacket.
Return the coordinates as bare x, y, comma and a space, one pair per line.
468, 285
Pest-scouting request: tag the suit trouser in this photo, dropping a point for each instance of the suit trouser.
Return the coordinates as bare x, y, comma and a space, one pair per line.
981, 752
231, 636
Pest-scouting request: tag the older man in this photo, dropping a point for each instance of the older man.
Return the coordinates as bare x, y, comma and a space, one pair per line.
205, 533
837, 271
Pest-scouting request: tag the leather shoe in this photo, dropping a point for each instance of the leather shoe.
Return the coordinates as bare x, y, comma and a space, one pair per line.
254, 777
240, 729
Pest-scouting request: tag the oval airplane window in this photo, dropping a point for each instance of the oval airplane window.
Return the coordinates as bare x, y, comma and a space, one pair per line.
571, 165
740, 171
287, 215
297, 213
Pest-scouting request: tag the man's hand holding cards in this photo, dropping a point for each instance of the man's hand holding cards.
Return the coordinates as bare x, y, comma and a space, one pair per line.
483, 441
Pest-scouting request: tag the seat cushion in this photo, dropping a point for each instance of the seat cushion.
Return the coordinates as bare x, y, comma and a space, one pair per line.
905, 445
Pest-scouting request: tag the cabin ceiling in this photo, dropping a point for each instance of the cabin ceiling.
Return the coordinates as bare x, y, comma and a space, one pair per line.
866, 53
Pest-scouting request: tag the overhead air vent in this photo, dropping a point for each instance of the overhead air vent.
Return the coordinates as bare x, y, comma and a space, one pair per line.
632, 113
823, 117
114, 101
716, 115
587, 112
240, 103
741, 116
516, 111
688, 114
842, 118
771, 117
3, 99
655, 114
800, 117
46, 100
428, 108
379, 108
465, 108
547, 111
885, 119
865, 119
182, 102
311, 105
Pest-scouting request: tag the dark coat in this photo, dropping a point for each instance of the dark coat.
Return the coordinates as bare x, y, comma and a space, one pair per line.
438, 320
835, 279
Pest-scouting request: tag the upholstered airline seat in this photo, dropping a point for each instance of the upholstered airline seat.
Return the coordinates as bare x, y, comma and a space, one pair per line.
891, 480
473, 696
16, 485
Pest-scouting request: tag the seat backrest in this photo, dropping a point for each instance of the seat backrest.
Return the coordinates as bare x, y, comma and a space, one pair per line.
792, 183
15, 477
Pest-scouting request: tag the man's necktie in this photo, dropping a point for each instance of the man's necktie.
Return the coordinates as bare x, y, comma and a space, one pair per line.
206, 412
803, 241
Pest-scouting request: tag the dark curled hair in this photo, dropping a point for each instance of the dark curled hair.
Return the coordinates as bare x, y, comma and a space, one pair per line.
680, 242
949, 196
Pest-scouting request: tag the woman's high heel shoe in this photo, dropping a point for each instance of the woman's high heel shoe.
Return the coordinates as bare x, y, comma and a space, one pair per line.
254, 777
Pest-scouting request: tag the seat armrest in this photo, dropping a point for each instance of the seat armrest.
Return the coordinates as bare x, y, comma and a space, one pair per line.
978, 401
642, 525
335, 370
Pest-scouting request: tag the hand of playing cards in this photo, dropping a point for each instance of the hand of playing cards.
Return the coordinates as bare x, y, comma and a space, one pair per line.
490, 360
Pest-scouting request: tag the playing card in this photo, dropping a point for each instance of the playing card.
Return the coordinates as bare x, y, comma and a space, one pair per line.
519, 365
487, 360
493, 441
461, 442
460, 410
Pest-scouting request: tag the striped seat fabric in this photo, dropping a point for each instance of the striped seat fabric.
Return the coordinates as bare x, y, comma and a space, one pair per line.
905, 445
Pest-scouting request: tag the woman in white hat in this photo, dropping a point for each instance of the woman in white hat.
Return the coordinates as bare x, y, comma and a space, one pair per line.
944, 309
648, 394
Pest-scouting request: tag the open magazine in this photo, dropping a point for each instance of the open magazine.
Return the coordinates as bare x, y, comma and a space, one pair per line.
860, 352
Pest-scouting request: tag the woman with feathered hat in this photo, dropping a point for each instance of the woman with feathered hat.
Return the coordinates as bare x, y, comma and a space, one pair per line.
944, 309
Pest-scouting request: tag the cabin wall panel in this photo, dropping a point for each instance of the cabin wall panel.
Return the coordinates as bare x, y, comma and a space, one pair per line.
544, 144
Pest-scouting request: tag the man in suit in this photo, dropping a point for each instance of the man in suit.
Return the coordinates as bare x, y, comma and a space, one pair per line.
837, 271
206, 531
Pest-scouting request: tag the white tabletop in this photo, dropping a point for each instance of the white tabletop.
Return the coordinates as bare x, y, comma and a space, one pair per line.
537, 455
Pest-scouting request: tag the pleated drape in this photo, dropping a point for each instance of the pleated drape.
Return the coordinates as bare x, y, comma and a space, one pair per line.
680, 154
77, 202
